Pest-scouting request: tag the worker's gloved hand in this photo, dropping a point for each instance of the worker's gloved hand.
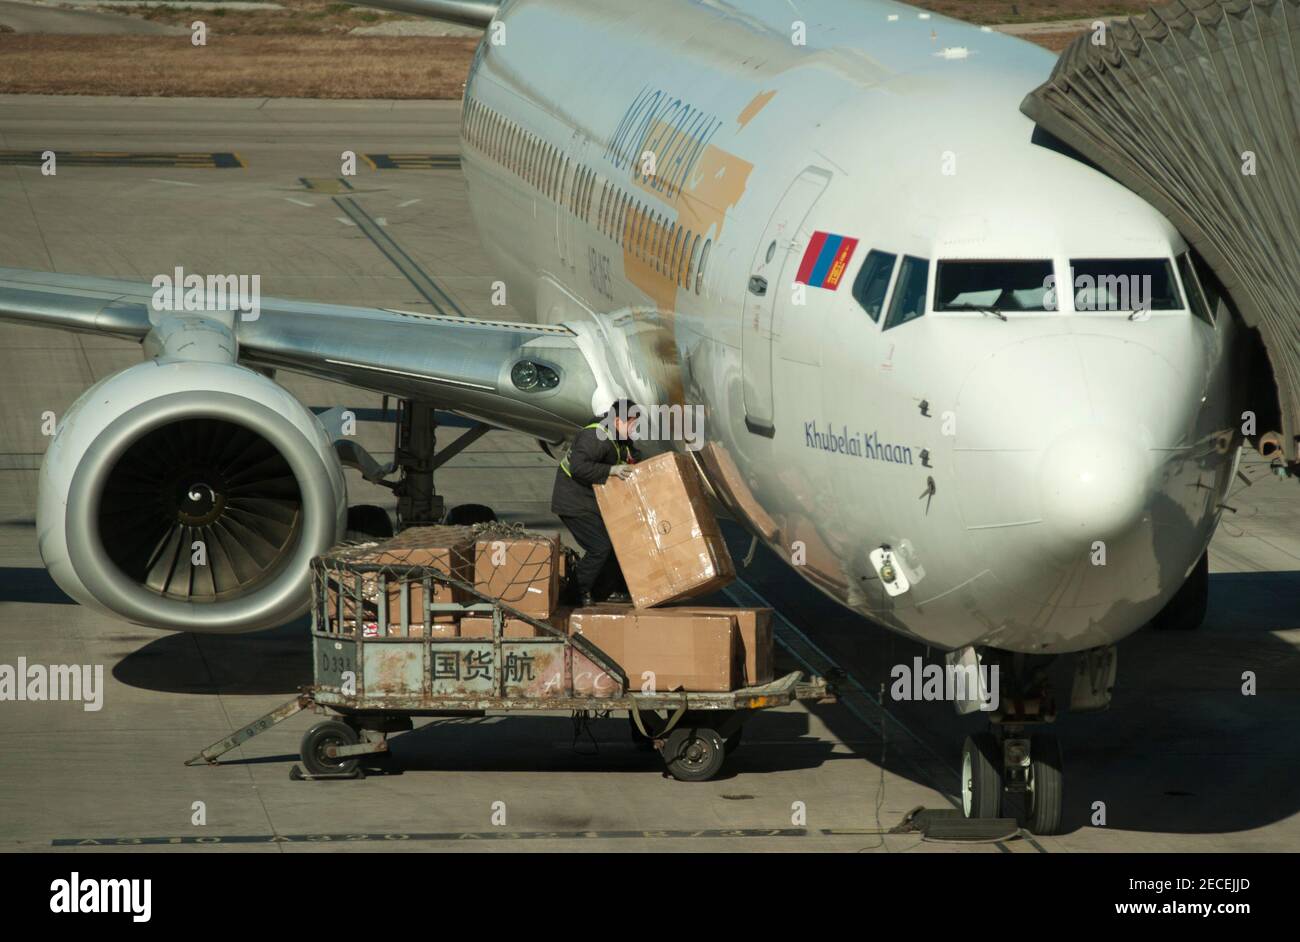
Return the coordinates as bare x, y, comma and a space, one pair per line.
621, 471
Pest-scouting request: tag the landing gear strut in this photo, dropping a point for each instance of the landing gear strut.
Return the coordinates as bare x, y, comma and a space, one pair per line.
1009, 760
415, 458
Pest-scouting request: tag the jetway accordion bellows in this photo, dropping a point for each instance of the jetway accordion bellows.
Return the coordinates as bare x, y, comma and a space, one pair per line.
1195, 106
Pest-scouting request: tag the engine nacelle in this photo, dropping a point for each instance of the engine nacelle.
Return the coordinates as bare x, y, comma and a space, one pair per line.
189, 495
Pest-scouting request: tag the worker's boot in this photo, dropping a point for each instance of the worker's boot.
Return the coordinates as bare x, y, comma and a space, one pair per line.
585, 600
619, 598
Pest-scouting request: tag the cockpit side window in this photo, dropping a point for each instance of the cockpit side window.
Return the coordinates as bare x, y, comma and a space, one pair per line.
872, 283
1125, 284
909, 294
1192, 288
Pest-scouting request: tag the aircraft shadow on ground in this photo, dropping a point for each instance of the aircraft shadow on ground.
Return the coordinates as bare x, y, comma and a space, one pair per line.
1181, 750
267, 662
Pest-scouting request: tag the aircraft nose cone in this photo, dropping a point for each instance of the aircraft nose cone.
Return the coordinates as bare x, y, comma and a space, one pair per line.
1095, 484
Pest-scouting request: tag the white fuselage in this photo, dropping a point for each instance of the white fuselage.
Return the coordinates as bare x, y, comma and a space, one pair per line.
1046, 435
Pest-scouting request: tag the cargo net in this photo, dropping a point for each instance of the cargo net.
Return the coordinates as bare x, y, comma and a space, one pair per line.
512, 563
1180, 105
488, 563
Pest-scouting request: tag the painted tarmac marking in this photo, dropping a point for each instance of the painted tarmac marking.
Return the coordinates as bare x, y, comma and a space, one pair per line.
89, 158
421, 280
325, 184
402, 837
413, 161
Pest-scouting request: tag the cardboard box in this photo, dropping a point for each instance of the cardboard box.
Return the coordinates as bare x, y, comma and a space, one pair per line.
480, 626
665, 536
523, 572
754, 641
449, 550
370, 629
681, 650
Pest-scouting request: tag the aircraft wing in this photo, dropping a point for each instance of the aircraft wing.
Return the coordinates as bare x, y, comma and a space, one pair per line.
462, 365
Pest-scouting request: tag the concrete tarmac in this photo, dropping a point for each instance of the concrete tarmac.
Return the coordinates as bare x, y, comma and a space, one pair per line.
25, 17
1183, 761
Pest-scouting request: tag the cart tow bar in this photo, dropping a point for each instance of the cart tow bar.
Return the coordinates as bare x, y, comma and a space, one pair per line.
277, 716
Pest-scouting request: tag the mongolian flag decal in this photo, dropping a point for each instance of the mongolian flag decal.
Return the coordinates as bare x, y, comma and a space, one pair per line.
825, 260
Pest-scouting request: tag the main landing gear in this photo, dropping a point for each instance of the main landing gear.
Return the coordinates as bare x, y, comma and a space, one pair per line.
415, 458
1015, 762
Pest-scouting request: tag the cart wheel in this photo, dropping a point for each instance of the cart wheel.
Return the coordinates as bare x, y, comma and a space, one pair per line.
695, 754
322, 735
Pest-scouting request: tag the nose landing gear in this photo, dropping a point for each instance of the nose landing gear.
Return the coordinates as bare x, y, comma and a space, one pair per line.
1009, 761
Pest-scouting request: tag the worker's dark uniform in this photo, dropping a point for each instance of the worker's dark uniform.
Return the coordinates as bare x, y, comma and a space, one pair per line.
573, 500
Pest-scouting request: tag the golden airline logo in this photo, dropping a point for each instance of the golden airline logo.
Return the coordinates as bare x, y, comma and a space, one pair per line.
673, 132
666, 146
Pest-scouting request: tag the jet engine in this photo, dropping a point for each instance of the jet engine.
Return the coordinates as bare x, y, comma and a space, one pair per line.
189, 492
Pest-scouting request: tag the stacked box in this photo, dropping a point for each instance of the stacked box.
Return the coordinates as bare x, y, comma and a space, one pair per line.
521, 571
480, 626
754, 641
665, 535
666, 648
449, 550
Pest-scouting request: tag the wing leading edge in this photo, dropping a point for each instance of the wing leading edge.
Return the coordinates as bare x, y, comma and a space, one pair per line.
460, 364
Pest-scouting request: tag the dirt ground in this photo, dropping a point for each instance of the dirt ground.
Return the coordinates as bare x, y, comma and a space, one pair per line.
304, 50
236, 67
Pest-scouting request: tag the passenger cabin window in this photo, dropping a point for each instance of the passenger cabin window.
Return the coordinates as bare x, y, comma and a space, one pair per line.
872, 283
909, 294
1125, 284
994, 287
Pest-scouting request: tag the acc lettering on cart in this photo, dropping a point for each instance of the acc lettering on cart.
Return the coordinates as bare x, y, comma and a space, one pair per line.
75, 895
854, 444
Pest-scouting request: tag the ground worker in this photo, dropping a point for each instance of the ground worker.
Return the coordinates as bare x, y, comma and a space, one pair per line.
603, 448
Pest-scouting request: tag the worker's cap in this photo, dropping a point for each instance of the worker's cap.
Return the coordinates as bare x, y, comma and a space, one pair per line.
624, 409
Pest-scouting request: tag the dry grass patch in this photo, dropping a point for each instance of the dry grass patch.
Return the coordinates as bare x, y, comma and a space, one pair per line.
1056, 41
236, 66
299, 17
994, 12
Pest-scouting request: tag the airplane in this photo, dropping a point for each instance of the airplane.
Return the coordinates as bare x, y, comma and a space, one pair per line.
902, 308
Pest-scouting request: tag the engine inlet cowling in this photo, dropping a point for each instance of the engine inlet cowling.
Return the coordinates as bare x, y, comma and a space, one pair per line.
190, 496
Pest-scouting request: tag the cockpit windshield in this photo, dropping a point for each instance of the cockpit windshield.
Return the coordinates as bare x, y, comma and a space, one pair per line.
994, 287
1124, 284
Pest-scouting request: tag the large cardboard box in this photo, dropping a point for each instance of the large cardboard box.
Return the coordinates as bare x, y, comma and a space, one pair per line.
664, 534
522, 571
754, 641
449, 550
480, 626
662, 649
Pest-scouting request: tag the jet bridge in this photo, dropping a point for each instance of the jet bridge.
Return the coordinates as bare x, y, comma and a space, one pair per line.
1195, 106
